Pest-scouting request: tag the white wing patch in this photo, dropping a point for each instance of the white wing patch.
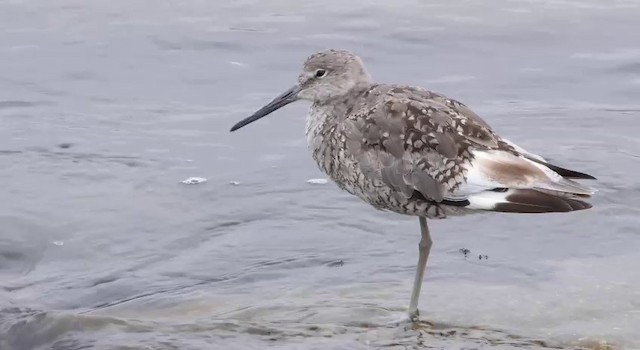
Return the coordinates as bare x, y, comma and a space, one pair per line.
499, 169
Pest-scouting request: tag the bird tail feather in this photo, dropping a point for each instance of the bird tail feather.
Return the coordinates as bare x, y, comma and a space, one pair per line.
525, 201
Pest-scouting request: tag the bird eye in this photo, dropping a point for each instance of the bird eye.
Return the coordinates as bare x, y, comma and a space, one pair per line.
320, 73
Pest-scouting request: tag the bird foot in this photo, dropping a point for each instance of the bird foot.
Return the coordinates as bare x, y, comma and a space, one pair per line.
407, 319
414, 316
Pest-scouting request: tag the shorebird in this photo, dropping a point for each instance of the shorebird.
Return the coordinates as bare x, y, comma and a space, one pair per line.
412, 151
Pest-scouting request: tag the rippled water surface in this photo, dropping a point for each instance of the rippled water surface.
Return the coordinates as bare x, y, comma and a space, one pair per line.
106, 106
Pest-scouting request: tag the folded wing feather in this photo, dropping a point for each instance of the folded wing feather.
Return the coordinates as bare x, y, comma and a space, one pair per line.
427, 143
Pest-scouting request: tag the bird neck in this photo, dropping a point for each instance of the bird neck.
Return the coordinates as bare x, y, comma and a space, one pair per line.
339, 106
325, 115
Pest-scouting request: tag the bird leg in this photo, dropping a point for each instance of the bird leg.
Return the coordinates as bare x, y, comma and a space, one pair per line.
423, 254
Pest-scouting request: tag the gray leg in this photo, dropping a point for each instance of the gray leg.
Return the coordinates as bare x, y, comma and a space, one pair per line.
423, 254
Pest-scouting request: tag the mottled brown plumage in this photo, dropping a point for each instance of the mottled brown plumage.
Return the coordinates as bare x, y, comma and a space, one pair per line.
413, 151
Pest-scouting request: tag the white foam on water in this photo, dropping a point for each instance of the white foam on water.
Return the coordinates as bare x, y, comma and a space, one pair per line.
317, 181
194, 180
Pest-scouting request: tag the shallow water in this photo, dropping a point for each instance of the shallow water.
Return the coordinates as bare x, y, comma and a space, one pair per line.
106, 106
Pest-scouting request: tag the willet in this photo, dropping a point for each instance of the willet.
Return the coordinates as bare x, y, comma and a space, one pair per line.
413, 151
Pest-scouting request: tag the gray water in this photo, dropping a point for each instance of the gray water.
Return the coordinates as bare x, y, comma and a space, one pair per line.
106, 106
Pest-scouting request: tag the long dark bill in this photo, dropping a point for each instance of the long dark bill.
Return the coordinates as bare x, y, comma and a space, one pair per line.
287, 97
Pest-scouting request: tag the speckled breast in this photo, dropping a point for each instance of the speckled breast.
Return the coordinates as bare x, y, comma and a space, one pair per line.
328, 145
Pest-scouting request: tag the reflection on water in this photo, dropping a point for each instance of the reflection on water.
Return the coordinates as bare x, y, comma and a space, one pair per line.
106, 108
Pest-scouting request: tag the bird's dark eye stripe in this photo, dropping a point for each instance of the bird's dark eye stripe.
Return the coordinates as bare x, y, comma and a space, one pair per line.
320, 73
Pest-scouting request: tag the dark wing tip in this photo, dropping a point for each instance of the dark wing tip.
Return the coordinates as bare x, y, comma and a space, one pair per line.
570, 174
567, 173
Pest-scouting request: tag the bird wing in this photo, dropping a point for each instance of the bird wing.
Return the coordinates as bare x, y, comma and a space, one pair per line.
414, 140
